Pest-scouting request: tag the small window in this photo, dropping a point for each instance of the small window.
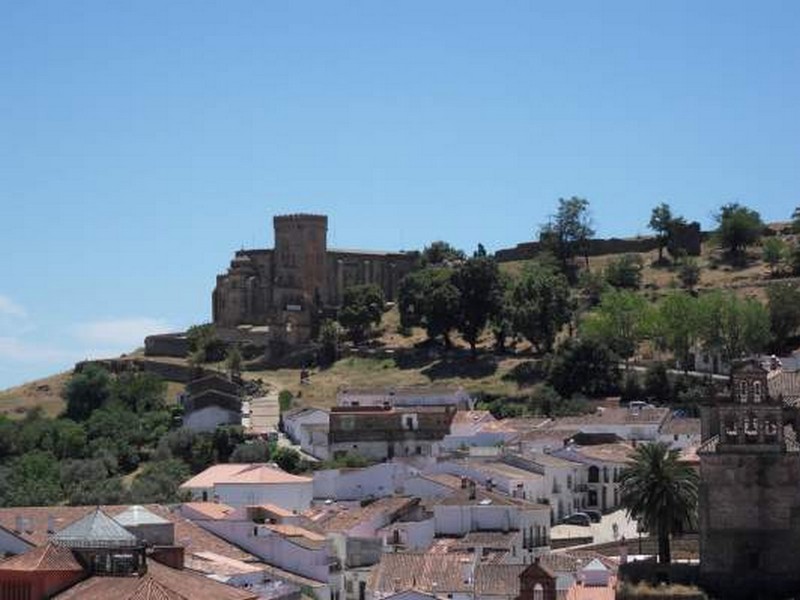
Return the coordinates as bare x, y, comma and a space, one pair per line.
756, 391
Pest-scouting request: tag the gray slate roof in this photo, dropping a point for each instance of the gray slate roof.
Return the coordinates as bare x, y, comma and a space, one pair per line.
95, 530
139, 515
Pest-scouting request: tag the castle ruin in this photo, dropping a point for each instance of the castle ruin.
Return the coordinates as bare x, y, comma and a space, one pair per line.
278, 295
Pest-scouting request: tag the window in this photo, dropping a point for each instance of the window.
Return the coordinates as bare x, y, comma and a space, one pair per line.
742, 391
756, 391
594, 474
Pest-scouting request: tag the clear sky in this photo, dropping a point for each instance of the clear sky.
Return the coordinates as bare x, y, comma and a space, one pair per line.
141, 143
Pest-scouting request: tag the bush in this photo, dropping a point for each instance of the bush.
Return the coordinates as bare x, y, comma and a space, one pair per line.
625, 272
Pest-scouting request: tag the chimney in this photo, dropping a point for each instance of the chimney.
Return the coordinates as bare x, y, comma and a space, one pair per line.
464, 483
172, 556
19, 524
51, 524
472, 490
489, 485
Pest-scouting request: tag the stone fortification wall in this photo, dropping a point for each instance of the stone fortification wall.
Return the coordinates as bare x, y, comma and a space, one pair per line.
688, 237
167, 344
166, 370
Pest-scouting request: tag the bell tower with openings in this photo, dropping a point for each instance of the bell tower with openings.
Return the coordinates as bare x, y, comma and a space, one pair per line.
749, 492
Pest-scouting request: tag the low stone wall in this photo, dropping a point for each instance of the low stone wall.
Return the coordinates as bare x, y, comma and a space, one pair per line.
167, 344
168, 371
688, 237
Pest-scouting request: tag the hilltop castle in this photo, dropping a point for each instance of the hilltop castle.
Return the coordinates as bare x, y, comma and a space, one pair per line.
279, 294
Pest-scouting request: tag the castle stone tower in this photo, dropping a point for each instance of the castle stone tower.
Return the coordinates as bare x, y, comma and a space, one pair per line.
749, 493
299, 267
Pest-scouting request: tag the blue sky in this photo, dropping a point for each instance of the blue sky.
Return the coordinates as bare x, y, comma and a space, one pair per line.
141, 143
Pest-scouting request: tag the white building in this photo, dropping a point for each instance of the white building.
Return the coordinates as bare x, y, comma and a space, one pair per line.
681, 433
299, 425
251, 484
424, 396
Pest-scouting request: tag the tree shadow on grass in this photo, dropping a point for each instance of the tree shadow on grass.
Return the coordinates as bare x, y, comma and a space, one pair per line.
462, 366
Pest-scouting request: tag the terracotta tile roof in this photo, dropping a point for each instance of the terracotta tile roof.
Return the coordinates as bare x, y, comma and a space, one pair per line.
300, 535
255, 473
611, 453
50, 557
613, 416
187, 534
525, 424
483, 497
160, 583
345, 519
591, 592
487, 539
216, 564
445, 573
498, 580
210, 510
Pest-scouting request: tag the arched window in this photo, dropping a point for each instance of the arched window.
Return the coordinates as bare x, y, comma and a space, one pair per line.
730, 430
742, 391
594, 474
756, 391
538, 592
751, 428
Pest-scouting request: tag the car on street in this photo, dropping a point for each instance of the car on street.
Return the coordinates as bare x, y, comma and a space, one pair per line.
595, 515
578, 518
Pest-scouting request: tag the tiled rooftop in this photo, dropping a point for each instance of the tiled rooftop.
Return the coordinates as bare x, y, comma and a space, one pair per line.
160, 583
253, 473
50, 557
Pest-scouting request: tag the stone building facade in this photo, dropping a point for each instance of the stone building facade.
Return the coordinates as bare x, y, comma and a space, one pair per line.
280, 293
749, 493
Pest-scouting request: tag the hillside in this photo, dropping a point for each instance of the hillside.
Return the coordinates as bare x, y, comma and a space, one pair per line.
382, 368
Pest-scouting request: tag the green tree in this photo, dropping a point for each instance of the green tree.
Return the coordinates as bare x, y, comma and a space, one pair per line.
586, 367
225, 440
623, 320
541, 305
33, 480
330, 335
139, 392
784, 311
159, 482
625, 272
90, 481
288, 459
362, 307
441, 253
478, 283
739, 227
568, 233
87, 391
233, 361
204, 345
676, 325
501, 321
257, 451
689, 274
285, 400
774, 251
657, 386
733, 326
662, 222
428, 298
660, 492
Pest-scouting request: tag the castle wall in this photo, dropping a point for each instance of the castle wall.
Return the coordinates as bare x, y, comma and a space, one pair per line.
287, 287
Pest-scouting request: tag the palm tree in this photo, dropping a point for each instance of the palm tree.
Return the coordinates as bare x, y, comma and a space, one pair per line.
660, 491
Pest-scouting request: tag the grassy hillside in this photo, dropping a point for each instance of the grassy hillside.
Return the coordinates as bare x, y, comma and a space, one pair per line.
486, 374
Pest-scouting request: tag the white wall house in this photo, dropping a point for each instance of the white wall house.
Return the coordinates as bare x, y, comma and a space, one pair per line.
296, 425
251, 484
211, 417
376, 481
681, 433
604, 464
